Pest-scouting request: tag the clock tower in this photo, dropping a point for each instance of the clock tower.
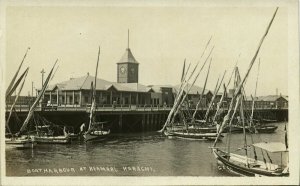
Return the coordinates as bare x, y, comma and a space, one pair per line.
128, 67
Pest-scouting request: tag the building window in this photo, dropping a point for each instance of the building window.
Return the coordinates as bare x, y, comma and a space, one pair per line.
76, 100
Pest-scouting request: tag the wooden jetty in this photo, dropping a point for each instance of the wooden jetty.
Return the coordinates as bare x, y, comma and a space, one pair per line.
123, 118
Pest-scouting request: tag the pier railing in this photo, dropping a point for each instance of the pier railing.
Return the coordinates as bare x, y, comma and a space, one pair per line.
104, 107
116, 107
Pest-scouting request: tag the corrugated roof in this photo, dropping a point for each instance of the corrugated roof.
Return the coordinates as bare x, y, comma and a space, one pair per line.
85, 84
269, 98
128, 57
136, 87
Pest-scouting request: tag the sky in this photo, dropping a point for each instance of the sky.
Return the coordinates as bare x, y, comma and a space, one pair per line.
161, 37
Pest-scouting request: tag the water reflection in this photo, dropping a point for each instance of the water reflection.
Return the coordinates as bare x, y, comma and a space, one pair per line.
165, 157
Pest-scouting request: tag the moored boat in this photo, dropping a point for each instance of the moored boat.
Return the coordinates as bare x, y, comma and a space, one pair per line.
189, 128
22, 138
96, 130
45, 132
52, 139
22, 142
243, 164
266, 128
268, 120
193, 135
236, 163
97, 133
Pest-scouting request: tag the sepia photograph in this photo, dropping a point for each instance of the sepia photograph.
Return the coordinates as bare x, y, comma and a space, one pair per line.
149, 92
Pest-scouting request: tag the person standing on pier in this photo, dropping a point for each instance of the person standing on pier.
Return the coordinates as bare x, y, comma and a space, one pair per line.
82, 127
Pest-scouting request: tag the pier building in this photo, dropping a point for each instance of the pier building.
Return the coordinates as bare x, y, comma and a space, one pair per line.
126, 91
127, 104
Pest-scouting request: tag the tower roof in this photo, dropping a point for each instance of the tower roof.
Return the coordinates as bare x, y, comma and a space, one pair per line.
128, 57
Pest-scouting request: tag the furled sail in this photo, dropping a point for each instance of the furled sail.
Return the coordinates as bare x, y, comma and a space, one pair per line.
8, 90
219, 105
38, 98
14, 87
239, 88
200, 99
15, 101
93, 106
214, 96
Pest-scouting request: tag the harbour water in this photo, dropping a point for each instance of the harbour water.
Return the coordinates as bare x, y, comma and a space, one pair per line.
138, 154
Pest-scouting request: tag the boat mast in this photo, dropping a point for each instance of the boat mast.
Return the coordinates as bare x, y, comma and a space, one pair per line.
187, 92
246, 75
200, 99
286, 140
8, 90
93, 106
182, 95
252, 112
237, 82
16, 99
214, 96
219, 105
244, 130
38, 98
96, 71
177, 98
183, 70
189, 88
230, 122
205, 47
183, 84
253, 101
225, 92
15, 85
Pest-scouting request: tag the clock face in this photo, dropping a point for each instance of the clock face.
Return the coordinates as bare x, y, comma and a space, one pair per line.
123, 70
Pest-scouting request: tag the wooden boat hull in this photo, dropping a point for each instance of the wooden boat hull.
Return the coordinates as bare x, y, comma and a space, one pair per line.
52, 139
20, 143
239, 129
236, 129
96, 135
195, 136
251, 171
204, 129
268, 121
266, 129
208, 129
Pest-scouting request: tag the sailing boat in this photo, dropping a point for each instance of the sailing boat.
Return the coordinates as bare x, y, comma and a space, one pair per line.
96, 130
45, 133
12, 87
184, 131
11, 140
243, 164
237, 127
23, 139
205, 125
